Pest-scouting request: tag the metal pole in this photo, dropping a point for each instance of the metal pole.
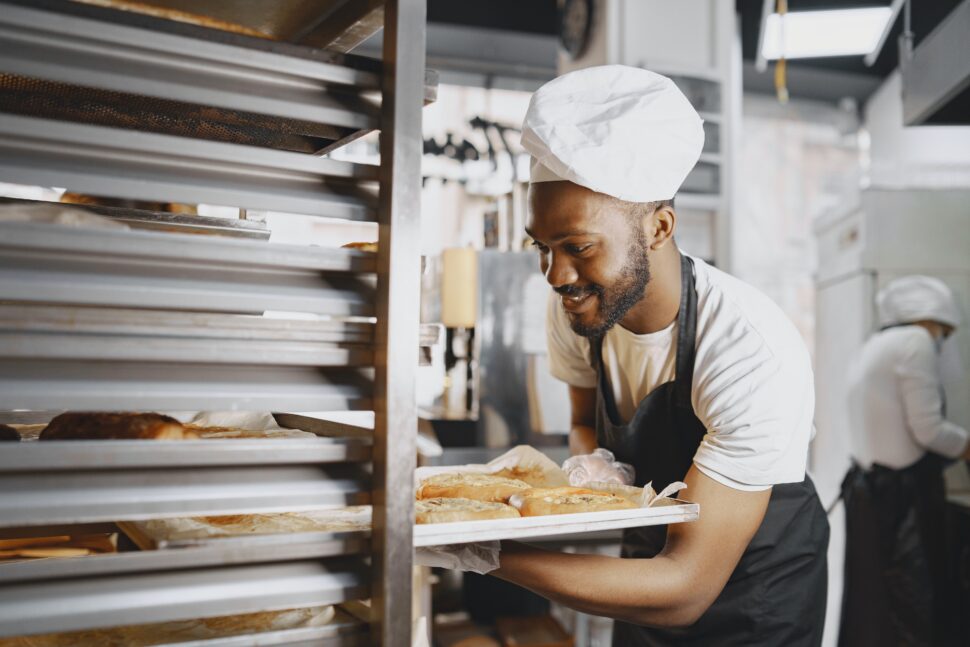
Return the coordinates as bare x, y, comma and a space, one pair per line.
396, 356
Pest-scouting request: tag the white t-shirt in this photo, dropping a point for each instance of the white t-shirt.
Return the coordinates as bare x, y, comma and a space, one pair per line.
895, 401
752, 388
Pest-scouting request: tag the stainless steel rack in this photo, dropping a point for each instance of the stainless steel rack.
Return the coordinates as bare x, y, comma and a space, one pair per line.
116, 104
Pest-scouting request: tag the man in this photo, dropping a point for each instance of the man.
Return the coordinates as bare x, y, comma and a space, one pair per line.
895, 572
679, 369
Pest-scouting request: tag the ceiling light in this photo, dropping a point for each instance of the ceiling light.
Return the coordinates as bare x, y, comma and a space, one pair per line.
814, 34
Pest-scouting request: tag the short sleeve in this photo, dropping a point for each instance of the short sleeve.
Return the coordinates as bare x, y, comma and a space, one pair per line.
757, 408
569, 359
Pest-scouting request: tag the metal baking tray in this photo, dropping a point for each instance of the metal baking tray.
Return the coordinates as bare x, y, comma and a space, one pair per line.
346, 633
460, 532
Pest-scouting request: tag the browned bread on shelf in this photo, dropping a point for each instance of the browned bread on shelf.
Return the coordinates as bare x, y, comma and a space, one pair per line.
533, 475
115, 426
364, 247
9, 433
481, 487
544, 503
443, 510
159, 10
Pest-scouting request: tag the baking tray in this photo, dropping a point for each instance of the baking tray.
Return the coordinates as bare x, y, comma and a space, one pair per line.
461, 532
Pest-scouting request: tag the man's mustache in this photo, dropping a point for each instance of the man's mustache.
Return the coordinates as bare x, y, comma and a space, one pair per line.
574, 291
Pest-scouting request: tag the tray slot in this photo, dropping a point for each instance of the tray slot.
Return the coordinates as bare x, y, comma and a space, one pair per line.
59, 496
61, 605
112, 386
240, 550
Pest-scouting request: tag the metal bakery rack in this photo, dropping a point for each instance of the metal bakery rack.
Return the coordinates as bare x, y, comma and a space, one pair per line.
116, 103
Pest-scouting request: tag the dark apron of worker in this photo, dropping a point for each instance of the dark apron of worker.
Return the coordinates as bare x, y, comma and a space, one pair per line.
895, 569
776, 595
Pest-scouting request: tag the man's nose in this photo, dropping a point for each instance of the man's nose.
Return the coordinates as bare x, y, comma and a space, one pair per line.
560, 271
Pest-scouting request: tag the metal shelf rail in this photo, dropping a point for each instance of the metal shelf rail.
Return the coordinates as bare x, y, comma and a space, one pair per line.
112, 319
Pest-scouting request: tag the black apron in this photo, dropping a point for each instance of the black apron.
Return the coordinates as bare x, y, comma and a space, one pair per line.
895, 555
776, 595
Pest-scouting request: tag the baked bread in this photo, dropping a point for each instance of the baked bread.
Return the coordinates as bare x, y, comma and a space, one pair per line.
532, 475
568, 503
441, 510
169, 13
364, 247
9, 433
115, 426
481, 487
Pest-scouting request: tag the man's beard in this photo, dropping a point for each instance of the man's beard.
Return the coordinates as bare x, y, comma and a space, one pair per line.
616, 301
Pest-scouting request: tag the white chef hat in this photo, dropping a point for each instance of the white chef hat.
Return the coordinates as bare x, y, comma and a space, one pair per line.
619, 130
917, 298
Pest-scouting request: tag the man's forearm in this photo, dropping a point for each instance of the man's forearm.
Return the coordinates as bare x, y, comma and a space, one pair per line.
582, 440
642, 591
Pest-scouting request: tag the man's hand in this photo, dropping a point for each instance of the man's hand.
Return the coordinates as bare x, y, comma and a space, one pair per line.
480, 557
673, 589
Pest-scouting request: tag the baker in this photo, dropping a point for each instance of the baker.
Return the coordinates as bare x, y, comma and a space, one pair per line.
895, 495
679, 369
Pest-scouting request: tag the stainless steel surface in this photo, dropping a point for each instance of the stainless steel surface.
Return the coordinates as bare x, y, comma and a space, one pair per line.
84, 495
166, 221
70, 455
337, 634
395, 432
347, 27
72, 604
51, 264
209, 287
107, 56
936, 81
93, 348
321, 427
459, 532
193, 325
107, 386
282, 20
146, 166
76, 333
511, 321
217, 552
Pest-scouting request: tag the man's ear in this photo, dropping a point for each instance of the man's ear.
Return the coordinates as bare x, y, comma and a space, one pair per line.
659, 226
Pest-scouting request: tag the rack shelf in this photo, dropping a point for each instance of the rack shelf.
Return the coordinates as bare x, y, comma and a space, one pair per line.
113, 103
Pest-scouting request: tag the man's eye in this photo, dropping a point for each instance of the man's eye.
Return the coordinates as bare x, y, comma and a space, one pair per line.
539, 246
577, 249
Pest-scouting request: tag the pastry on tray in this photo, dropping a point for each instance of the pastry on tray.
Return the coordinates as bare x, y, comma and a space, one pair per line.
468, 485
538, 503
443, 510
115, 426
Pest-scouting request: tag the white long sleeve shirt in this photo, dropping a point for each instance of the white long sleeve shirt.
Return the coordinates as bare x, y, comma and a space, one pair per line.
895, 401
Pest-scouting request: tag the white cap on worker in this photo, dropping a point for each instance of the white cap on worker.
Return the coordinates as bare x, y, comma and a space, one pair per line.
619, 130
917, 298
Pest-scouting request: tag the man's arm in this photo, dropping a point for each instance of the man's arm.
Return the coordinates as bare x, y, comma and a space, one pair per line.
919, 384
671, 590
582, 429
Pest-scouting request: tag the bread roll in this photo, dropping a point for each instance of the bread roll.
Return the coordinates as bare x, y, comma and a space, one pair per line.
115, 426
568, 503
364, 247
532, 475
442, 510
481, 487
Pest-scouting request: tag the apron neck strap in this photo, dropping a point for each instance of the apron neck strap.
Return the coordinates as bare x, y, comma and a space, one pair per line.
686, 333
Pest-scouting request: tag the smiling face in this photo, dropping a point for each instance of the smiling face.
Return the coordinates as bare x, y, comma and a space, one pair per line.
592, 251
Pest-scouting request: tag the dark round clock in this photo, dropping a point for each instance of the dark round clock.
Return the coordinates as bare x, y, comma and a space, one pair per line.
575, 26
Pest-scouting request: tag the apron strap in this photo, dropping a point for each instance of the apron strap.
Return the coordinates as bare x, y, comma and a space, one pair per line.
686, 334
